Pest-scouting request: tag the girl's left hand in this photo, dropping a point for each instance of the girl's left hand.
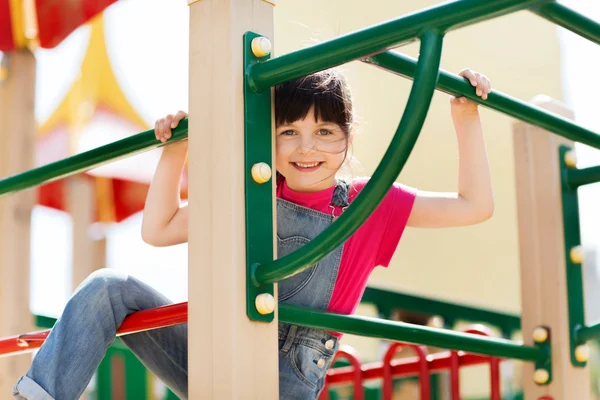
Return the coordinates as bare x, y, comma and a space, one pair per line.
482, 88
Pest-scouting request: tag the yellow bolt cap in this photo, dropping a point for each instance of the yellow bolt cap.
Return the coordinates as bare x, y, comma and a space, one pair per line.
541, 376
540, 334
265, 303
261, 47
576, 254
261, 172
582, 353
570, 159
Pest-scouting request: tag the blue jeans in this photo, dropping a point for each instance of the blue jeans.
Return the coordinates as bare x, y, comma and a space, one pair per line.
305, 355
67, 361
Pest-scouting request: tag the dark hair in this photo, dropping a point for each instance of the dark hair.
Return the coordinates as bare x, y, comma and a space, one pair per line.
327, 91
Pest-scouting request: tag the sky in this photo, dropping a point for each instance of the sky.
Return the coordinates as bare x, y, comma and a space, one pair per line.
166, 268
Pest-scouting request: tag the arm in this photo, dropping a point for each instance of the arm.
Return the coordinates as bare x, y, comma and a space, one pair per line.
474, 201
165, 220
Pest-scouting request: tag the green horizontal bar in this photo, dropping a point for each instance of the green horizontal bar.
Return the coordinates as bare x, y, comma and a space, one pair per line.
44, 322
90, 159
381, 37
571, 20
409, 333
389, 299
586, 333
379, 185
583, 176
456, 85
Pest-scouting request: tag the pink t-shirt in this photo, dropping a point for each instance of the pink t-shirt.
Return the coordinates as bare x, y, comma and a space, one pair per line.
372, 245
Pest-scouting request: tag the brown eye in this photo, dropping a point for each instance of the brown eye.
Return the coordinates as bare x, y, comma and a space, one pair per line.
324, 132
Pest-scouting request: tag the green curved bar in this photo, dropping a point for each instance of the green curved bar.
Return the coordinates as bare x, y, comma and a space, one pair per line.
456, 85
362, 43
90, 159
571, 20
384, 176
403, 332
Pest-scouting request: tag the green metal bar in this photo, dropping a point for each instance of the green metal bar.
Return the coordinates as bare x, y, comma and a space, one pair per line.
104, 376
571, 20
588, 333
44, 322
508, 323
90, 159
456, 85
409, 333
583, 176
377, 38
573, 271
258, 197
136, 377
386, 173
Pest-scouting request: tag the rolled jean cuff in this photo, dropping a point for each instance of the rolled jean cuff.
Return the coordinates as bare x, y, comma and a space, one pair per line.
27, 389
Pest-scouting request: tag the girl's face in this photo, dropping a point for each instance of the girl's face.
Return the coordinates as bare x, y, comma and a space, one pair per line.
309, 153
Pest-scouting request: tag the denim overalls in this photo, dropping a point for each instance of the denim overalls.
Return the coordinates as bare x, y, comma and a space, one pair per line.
305, 354
67, 361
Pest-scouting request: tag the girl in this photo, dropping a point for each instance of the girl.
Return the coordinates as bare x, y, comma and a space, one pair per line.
314, 130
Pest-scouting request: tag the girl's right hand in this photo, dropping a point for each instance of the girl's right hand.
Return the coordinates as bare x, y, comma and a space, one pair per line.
163, 126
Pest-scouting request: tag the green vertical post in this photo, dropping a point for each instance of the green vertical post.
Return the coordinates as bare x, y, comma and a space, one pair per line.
136, 377
104, 377
259, 197
574, 273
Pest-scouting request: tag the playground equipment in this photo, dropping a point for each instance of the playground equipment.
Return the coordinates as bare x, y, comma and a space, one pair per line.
227, 353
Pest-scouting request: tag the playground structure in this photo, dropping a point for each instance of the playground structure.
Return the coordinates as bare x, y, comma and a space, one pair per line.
547, 179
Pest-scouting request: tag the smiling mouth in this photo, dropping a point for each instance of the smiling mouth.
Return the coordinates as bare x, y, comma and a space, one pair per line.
307, 166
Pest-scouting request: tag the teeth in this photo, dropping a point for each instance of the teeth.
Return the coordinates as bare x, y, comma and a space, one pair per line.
306, 165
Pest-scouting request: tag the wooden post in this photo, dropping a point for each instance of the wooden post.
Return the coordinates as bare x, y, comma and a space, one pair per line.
230, 357
17, 135
89, 252
542, 254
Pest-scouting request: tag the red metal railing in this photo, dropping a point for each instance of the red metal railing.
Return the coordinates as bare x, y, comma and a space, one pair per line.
424, 378
346, 352
154, 318
421, 365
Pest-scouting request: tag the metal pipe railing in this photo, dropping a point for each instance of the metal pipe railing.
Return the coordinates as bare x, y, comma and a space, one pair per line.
582, 176
587, 333
381, 37
154, 318
176, 314
410, 333
455, 85
382, 179
570, 19
405, 367
94, 158
451, 312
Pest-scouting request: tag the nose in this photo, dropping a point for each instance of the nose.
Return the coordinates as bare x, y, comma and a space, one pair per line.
306, 144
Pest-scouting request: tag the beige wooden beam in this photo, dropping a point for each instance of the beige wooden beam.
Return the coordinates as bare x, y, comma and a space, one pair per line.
17, 134
541, 241
89, 250
230, 357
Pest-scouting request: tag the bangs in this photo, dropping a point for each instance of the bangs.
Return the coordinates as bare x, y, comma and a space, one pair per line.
326, 91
